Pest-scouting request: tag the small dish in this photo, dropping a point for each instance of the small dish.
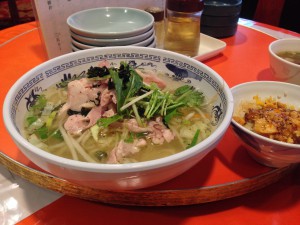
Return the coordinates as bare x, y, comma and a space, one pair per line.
152, 44
81, 46
113, 41
110, 22
143, 43
75, 48
146, 42
209, 47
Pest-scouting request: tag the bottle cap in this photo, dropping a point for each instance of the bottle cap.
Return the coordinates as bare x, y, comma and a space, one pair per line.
157, 13
185, 5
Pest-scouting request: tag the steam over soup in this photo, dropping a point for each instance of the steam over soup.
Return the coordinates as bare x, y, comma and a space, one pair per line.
117, 115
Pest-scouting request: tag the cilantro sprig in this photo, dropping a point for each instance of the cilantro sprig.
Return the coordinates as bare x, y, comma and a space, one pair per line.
147, 101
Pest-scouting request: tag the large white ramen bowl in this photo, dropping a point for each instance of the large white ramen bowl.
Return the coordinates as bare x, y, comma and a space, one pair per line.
110, 22
119, 176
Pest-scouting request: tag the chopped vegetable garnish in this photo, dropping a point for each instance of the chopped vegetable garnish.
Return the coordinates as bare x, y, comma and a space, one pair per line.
117, 115
195, 139
105, 122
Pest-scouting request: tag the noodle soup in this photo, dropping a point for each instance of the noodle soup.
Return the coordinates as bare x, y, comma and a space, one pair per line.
185, 72
118, 115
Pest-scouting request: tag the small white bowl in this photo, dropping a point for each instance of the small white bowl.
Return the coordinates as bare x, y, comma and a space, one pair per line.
265, 150
120, 176
110, 22
114, 41
284, 70
143, 43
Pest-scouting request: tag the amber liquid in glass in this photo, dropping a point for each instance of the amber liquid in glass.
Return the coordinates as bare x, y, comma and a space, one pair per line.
182, 34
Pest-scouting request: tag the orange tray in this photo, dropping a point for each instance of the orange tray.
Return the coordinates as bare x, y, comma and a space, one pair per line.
226, 172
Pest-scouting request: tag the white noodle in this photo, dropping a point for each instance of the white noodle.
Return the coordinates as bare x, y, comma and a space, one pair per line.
84, 136
177, 135
80, 150
68, 142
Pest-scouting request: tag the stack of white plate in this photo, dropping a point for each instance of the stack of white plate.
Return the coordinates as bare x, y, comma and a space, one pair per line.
111, 26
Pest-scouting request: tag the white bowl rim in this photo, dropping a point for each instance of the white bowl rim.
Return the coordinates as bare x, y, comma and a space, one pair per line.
118, 168
111, 34
276, 42
252, 133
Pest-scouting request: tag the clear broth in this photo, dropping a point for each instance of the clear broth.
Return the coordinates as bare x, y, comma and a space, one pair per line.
291, 56
111, 136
